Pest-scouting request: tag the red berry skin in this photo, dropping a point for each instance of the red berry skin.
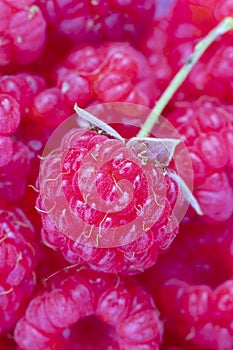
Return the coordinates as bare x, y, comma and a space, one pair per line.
9, 115
72, 298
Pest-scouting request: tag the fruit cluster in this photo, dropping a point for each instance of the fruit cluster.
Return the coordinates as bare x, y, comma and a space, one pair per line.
116, 224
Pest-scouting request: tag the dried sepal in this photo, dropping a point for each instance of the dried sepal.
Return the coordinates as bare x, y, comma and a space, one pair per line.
186, 192
160, 150
97, 123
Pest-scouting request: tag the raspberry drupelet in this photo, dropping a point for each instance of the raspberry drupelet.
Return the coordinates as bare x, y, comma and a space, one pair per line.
83, 309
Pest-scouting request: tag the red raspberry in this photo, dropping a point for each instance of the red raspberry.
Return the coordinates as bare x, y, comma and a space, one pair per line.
60, 317
18, 252
22, 33
91, 193
109, 72
198, 285
99, 20
207, 129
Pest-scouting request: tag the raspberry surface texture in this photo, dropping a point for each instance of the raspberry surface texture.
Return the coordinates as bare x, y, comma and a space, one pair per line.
206, 127
116, 175
60, 315
99, 20
109, 72
18, 249
198, 285
109, 219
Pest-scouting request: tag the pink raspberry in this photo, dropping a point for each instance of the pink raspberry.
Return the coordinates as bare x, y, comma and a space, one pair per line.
143, 218
122, 313
110, 72
18, 250
22, 33
198, 285
206, 127
99, 20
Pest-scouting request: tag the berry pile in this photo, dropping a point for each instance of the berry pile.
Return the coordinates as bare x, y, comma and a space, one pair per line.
116, 223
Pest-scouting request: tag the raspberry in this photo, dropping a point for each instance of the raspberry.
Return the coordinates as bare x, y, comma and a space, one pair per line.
206, 127
128, 254
108, 72
60, 317
9, 115
198, 285
23, 87
99, 20
18, 258
22, 33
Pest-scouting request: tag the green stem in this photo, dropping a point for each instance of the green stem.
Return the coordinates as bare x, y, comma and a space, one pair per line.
200, 48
